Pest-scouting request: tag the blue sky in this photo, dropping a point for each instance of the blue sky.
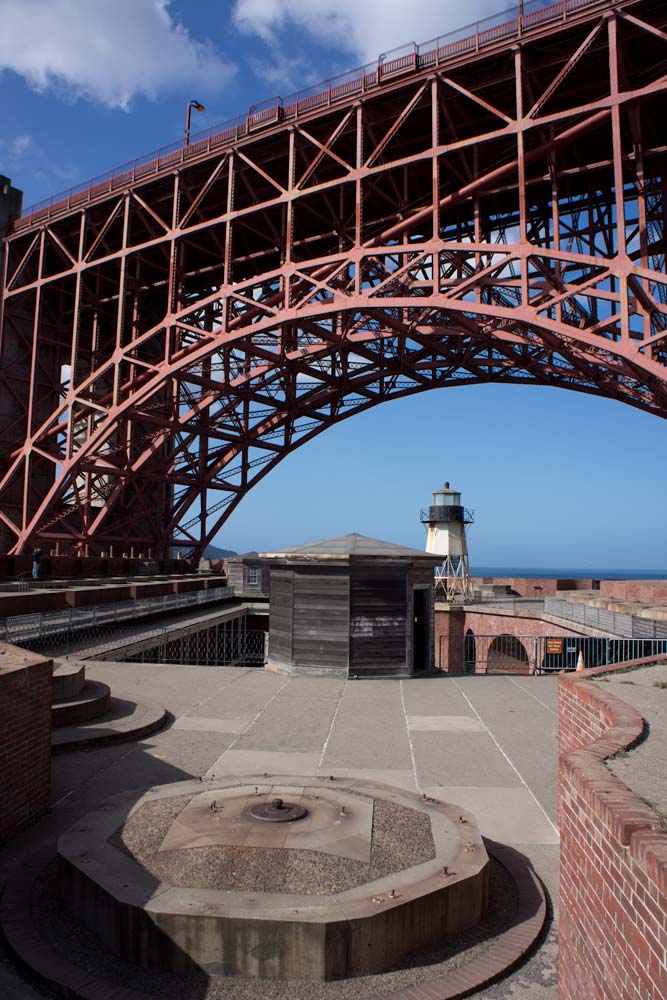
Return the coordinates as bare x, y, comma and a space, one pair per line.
556, 478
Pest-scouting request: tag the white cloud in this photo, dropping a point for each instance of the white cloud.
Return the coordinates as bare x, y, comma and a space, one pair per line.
105, 50
15, 148
20, 145
284, 72
364, 28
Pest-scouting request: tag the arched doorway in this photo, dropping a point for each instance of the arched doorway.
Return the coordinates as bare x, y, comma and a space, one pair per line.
469, 653
507, 654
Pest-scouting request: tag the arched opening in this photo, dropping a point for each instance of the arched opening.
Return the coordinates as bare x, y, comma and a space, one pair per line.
507, 655
469, 653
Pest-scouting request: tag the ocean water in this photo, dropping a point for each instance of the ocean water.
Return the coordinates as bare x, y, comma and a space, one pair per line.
567, 573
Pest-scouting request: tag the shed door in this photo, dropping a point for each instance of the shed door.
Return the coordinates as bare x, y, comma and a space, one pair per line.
420, 628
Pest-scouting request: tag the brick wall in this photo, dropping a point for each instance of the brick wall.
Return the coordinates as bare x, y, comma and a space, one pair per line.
25, 738
646, 591
525, 586
451, 624
448, 633
613, 904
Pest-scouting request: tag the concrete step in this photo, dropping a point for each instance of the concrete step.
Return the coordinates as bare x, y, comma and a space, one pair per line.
91, 702
68, 679
126, 719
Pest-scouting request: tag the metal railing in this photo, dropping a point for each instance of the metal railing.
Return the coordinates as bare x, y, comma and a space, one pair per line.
507, 603
204, 644
619, 623
210, 648
505, 26
22, 630
597, 651
529, 654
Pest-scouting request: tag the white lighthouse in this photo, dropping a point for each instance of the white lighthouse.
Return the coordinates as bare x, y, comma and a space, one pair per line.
446, 520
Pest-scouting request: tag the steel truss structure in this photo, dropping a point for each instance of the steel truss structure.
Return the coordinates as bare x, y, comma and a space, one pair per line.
454, 217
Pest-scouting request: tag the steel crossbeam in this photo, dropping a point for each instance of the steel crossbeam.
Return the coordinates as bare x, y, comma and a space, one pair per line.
498, 218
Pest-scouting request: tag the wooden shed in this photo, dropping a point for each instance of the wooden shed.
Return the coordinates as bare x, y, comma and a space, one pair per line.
351, 606
248, 575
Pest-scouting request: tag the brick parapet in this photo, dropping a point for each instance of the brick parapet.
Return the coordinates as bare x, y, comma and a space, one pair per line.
613, 936
25, 738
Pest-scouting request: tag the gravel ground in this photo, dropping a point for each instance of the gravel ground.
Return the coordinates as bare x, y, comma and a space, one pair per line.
401, 838
643, 769
68, 937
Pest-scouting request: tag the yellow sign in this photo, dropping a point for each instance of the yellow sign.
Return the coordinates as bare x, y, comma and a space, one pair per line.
554, 646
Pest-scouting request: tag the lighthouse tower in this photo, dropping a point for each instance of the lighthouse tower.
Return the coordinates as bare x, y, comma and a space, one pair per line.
446, 520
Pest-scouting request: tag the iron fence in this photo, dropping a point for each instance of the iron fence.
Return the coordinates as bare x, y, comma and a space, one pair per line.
212, 648
529, 654
618, 623
223, 644
22, 630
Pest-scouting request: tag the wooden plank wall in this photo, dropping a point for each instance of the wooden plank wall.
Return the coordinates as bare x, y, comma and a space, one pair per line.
321, 620
380, 636
238, 577
280, 618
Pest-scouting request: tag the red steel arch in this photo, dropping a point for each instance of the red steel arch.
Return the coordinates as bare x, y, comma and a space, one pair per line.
490, 207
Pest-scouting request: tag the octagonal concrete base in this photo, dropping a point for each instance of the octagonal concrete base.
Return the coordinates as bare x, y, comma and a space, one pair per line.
274, 935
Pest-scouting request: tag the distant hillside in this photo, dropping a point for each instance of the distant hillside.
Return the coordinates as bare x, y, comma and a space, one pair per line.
213, 552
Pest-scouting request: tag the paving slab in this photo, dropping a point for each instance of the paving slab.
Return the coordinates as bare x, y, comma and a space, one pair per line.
245, 698
434, 696
316, 687
194, 723
263, 761
445, 724
369, 729
287, 724
525, 730
542, 688
401, 779
461, 758
509, 815
180, 688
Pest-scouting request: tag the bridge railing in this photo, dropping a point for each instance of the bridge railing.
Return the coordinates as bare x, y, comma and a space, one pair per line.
508, 24
20, 630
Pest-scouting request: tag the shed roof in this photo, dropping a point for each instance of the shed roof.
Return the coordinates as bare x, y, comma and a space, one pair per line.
350, 546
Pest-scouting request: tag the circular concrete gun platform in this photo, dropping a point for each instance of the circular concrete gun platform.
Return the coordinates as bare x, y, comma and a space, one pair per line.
357, 877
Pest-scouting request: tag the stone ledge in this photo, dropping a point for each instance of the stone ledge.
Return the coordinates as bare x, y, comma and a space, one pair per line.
510, 950
635, 824
91, 702
100, 733
276, 935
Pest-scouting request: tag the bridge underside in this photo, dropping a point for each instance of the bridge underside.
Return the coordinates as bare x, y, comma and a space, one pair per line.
498, 217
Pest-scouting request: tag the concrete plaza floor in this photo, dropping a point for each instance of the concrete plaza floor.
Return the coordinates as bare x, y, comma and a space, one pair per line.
486, 743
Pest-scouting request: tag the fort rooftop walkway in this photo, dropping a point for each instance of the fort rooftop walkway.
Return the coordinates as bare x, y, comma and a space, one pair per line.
488, 744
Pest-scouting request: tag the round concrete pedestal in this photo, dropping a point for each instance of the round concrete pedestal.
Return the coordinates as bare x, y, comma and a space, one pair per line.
324, 897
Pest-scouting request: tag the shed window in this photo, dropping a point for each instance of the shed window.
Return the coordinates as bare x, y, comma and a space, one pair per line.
254, 576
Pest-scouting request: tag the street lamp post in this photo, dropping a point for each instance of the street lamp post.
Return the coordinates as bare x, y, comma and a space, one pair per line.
197, 107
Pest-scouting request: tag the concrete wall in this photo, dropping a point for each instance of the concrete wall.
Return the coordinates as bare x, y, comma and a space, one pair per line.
613, 898
25, 738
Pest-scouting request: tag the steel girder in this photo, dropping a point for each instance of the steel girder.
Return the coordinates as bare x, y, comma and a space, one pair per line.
496, 218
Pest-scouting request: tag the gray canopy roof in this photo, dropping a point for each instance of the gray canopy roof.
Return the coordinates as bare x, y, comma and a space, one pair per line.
351, 545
